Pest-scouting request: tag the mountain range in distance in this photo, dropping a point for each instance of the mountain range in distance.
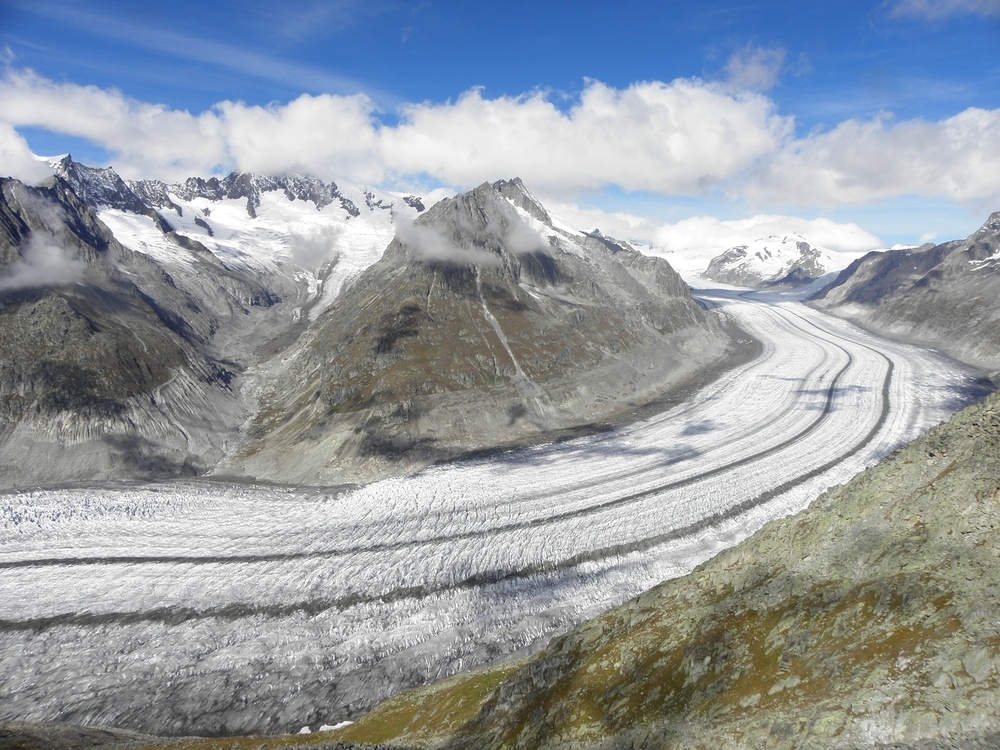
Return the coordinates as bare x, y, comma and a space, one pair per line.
290, 330
253, 327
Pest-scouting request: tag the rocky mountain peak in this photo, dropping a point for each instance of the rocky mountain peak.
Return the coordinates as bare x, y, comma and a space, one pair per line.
990, 227
515, 191
99, 187
777, 260
479, 228
479, 327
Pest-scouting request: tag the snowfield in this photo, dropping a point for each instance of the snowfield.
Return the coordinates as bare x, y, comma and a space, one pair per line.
210, 608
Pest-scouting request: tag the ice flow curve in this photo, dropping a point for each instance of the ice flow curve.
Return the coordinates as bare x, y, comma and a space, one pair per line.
294, 606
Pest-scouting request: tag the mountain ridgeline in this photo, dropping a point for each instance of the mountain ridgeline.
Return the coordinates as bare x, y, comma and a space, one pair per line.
480, 326
944, 296
253, 326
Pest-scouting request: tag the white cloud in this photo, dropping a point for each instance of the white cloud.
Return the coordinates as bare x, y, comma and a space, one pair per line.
147, 139
680, 138
16, 159
427, 243
689, 244
863, 161
755, 68
937, 9
317, 246
668, 138
327, 135
44, 262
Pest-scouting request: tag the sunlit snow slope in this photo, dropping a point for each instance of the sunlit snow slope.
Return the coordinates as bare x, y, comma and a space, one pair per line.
200, 608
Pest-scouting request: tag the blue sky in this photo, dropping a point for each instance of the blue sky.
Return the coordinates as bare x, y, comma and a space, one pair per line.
843, 111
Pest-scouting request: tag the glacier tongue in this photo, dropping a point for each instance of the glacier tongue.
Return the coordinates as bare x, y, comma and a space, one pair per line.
225, 608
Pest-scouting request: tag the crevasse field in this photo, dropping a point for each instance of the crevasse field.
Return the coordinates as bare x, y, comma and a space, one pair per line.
206, 608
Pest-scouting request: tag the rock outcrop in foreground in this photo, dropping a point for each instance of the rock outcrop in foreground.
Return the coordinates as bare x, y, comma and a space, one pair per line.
872, 619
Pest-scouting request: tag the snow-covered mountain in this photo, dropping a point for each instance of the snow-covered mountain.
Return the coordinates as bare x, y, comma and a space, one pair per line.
258, 325
304, 238
775, 261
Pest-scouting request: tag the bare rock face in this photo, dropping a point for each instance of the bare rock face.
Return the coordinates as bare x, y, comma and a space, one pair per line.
182, 353
481, 326
103, 374
868, 620
946, 296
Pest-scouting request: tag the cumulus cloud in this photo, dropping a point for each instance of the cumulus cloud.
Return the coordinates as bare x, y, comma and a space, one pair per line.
145, 138
44, 262
16, 159
937, 9
669, 138
861, 161
679, 138
755, 68
674, 137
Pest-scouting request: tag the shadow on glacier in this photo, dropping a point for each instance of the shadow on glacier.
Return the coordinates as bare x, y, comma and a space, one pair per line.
829, 398
957, 396
607, 447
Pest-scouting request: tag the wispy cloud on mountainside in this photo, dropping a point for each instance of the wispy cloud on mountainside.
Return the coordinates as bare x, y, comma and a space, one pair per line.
47, 259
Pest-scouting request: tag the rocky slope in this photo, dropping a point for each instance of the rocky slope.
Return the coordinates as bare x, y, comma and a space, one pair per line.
944, 296
868, 620
107, 366
481, 325
773, 262
132, 313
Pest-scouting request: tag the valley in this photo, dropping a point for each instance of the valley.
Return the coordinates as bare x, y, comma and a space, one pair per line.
201, 607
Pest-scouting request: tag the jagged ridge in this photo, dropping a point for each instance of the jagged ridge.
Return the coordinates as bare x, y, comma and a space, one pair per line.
943, 296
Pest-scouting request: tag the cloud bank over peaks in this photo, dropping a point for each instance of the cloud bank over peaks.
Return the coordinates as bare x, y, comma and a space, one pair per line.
706, 235
860, 161
668, 138
673, 137
690, 243
685, 137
